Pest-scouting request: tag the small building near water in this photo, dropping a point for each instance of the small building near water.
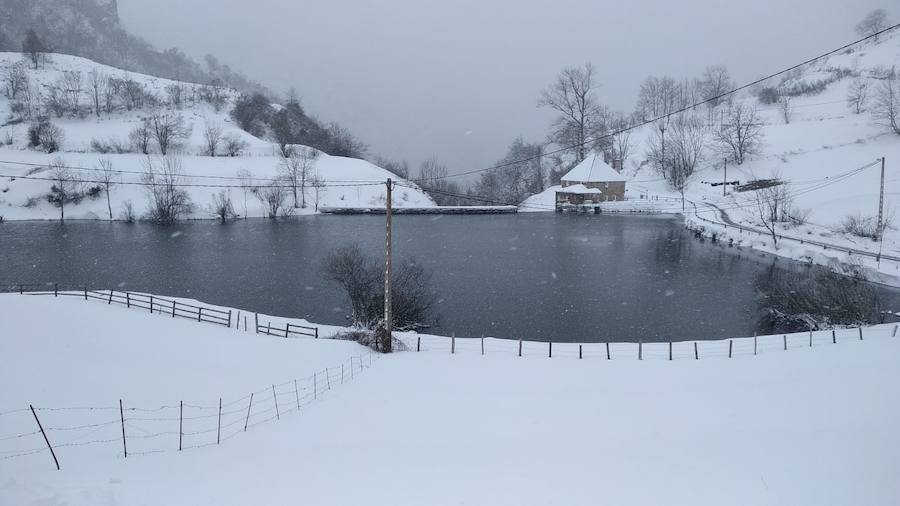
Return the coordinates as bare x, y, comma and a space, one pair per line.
591, 182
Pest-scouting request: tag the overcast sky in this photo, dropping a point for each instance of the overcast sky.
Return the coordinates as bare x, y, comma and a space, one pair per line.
459, 79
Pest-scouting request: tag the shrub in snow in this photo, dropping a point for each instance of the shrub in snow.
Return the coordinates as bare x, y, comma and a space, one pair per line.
163, 180
234, 145
45, 135
865, 226
768, 95
368, 339
362, 279
127, 215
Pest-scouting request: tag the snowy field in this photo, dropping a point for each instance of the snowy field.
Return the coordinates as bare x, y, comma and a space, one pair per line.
807, 426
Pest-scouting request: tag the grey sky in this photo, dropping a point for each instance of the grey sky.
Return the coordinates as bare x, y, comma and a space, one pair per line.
459, 79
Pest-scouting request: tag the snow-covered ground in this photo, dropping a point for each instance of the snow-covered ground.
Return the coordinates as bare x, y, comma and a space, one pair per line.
810, 426
349, 182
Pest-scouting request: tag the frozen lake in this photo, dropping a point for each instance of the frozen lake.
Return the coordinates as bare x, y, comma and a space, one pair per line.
543, 276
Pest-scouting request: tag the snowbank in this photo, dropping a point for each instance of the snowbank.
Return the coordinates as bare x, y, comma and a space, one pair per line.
807, 426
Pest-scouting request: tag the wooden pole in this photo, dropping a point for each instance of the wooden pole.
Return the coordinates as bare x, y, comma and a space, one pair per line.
127, 300
151, 304
275, 396
229, 318
754, 344
641, 349
199, 314
419, 343
696, 353
670, 350
328, 377
85, 293
482, 344
388, 321
608, 357
520, 346
219, 424
895, 332
245, 324
833, 337
860, 334
810, 338
550, 349
173, 307
122, 419
579, 352
56, 289
730, 346
45, 436
785, 342
297, 391
247, 420
453, 343
110, 297
180, 423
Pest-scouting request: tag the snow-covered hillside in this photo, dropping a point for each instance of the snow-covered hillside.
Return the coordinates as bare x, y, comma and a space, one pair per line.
344, 179
824, 140
431, 427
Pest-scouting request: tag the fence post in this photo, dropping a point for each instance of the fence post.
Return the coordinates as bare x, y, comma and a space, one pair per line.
21, 289
151, 304
419, 343
297, 394
127, 300
860, 334
45, 437
229, 318
670, 350
122, 419
199, 314
453, 343
245, 326
85, 292
173, 307
550, 349
785, 342
110, 297
219, 425
275, 396
328, 377
696, 353
247, 420
482, 344
607, 351
315, 387
730, 345
256, 321
833, 337
810, 338
579, 352
895, 332
754, 344
56, 289
640, 349
180, 423
316, 330
520, 346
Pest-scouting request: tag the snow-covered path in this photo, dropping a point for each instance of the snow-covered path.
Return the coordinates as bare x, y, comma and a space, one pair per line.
806, 426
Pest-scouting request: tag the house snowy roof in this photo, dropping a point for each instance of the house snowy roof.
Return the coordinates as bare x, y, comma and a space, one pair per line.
593, 170
579, 189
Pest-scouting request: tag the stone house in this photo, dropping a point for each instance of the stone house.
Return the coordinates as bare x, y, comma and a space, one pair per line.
592, 181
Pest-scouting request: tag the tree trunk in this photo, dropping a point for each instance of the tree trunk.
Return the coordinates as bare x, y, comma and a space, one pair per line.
108, 204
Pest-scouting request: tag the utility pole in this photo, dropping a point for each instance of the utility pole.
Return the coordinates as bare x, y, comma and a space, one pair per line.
725, 177
881, 204
387, 274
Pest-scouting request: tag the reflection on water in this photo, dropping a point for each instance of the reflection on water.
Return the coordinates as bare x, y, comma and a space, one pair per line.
543, 276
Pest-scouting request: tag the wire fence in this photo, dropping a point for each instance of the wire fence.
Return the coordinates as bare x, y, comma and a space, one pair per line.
128, 431
639, 350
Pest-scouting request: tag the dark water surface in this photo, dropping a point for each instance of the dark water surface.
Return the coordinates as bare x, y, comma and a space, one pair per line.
560, 277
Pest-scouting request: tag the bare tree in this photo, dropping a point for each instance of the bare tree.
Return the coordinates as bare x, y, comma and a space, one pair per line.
168, 130
65, 187
621, 137
773, 206
658, 96
233, 145
685, 152
72, 85
571, 95
163, 179
15, 79
109, 95
141, 137
45, 135
433, 178
212, 134
247, 186
176, 93
222, 207
318, 189
34, 48
273, 197
785, 107
108, 177
716, 80
295, 169
873, 23
97, 84
886, 105
741, 132
857, 94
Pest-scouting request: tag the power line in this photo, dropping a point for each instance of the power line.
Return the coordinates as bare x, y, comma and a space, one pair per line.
188, 185
716, 98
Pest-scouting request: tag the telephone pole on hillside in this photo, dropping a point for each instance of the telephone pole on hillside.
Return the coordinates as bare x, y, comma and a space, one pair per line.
725, 177
388, 318
880, 229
